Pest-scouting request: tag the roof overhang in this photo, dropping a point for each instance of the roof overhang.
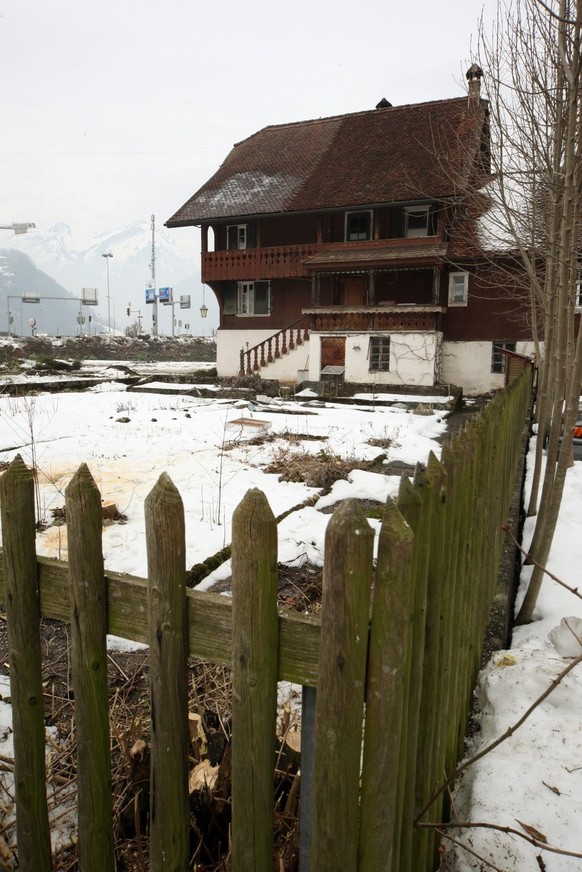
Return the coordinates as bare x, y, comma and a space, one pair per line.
390, 256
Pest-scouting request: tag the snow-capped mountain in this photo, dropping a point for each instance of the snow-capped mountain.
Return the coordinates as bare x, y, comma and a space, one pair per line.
77, 262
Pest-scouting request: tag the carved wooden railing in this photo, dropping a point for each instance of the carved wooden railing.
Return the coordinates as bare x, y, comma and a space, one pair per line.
275, 346
376, 318
277, 261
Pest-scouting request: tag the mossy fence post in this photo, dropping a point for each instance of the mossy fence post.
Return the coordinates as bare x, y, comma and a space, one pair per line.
347, 574
24, 655
392, 616
255, 644
88, 595
168, 640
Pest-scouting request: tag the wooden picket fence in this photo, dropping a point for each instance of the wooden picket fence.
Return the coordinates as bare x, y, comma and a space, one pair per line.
387, 668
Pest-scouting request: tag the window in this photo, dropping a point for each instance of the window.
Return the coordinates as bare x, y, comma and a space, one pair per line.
240, 236
379, 354
416, 221
578, 292
358, 226
254, 298
498, 359
458, 288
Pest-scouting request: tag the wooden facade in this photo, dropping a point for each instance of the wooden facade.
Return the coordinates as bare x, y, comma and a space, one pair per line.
336, 222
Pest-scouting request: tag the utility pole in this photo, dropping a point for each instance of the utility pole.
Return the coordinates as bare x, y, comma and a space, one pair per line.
107, 255
153, 268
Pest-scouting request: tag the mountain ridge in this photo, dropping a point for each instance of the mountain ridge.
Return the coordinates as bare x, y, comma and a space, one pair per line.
76, 262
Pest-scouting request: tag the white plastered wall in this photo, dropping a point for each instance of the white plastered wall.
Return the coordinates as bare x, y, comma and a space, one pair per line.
230, 342
413, 359
468, 365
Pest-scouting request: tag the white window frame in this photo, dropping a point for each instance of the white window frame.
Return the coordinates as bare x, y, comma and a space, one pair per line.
241, 236
246, 300
383, 354
417, 211
578, 292
498, 359
359, 238
457, 279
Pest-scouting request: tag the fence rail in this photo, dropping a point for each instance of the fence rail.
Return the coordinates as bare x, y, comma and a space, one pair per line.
399, 642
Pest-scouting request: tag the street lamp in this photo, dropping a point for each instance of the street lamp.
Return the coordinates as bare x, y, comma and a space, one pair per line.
107, 255
203, 307
18, 226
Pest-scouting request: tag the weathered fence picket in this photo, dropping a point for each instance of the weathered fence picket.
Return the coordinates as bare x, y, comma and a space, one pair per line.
255, 644
96, 849
23, 616
390, 630
168, 635
347, 576
388, 667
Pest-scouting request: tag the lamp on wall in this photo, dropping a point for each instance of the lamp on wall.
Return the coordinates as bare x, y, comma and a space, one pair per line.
203, 307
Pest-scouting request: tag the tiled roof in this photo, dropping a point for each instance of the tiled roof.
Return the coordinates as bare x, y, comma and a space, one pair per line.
394, 154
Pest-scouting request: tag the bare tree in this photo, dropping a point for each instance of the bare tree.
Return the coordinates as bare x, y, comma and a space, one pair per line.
533, 58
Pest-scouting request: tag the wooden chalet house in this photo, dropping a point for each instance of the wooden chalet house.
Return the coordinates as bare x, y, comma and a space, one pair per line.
344, 242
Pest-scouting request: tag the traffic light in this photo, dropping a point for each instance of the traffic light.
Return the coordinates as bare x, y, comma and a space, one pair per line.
128, 311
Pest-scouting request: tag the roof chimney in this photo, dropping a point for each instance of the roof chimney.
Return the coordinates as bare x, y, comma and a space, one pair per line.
474, 75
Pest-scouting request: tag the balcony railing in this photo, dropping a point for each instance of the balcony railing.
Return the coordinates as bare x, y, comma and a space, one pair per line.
275, 262
375, 318
287, 261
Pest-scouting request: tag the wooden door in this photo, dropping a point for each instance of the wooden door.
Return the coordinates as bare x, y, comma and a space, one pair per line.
333, 351
354, 291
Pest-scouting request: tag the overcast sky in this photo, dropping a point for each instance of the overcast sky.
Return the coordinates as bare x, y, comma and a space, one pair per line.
117, 109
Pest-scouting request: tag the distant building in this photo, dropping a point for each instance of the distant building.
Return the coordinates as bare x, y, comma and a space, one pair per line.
353, 242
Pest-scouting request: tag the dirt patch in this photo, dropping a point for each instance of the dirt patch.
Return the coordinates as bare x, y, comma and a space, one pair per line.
319, 470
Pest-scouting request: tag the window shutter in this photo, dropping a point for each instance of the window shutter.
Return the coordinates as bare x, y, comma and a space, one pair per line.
251, 236
262, 298
229, 298
431, 229
397, 223
232, 237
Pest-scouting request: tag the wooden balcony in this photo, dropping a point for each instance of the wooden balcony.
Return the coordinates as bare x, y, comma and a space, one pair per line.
275, 262
289, 261
413, 319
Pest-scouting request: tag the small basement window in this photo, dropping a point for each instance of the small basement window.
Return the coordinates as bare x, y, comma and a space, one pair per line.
379, 354
498, 359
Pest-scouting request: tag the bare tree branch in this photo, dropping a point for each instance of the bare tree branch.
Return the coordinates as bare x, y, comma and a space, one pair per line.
506, 735
537, 843
531, 559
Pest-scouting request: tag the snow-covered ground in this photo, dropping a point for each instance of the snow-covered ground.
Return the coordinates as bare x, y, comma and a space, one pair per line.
534, 778
128, 439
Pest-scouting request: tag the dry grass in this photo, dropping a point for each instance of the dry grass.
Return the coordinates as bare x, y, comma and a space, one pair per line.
318, 470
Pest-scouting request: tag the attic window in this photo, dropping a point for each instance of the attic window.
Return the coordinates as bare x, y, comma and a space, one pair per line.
358, 226
240, 236
416, 221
